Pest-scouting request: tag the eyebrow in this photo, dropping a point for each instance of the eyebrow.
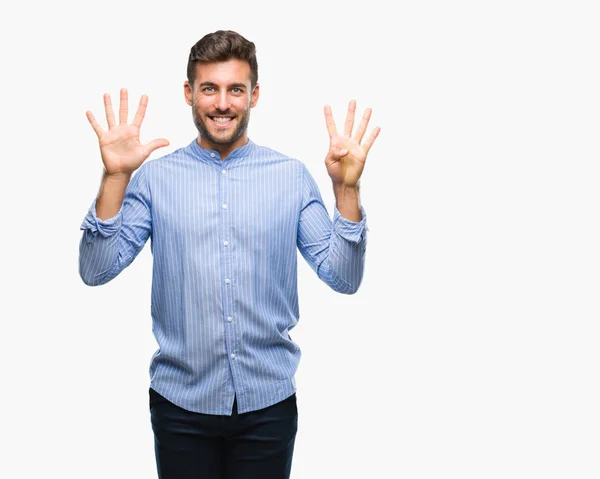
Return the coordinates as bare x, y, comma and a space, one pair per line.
233, 85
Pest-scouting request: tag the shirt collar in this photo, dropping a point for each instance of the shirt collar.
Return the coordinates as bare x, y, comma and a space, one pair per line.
214, 156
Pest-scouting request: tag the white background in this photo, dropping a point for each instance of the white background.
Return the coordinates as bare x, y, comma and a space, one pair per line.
471, 349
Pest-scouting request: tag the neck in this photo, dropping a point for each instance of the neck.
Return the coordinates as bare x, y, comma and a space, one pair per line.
224, 149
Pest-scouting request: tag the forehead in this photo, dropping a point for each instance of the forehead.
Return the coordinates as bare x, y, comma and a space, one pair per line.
223, 73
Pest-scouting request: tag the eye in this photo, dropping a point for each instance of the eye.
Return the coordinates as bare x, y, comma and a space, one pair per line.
208, 89
237, 91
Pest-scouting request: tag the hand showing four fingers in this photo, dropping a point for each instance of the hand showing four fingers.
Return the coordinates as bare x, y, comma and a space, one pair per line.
347, 154
120, 147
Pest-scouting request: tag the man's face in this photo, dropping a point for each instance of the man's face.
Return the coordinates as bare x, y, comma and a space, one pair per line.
221, 98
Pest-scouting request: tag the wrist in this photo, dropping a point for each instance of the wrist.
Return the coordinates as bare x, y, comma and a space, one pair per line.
116, 178
344, 188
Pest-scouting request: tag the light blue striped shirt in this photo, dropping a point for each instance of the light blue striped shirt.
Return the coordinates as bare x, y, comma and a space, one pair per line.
224, 280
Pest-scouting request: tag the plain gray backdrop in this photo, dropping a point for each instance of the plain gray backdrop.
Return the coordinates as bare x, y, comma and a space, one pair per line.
471, 349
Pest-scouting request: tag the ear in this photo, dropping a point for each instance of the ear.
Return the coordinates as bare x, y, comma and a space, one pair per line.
187, 91
254, 97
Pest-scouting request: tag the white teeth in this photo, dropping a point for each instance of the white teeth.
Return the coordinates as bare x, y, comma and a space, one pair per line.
221, 120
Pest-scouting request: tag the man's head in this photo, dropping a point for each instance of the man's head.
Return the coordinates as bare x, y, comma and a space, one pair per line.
221, 88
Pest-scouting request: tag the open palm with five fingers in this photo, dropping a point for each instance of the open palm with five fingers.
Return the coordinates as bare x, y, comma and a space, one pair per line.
120, 147
347, 154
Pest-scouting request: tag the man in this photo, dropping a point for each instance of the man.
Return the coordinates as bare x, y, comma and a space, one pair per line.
225, 217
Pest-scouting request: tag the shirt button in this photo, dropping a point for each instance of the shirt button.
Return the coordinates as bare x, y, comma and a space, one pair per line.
233, 356
227, 281
212, 155
224, 172
225, 243
229, 319
224, 206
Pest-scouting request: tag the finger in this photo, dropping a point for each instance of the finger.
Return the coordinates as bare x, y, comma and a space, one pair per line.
362, 127
141, 111
369, 141
95, 125
154, 144
123, 107
349, 125
329, 122
335, 154
341, 152
110, 115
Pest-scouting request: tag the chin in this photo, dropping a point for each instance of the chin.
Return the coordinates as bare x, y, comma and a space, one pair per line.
223, 139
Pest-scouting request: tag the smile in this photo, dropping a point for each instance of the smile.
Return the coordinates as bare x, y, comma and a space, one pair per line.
222, 120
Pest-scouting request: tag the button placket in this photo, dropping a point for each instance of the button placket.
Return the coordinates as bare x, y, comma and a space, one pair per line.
226, 262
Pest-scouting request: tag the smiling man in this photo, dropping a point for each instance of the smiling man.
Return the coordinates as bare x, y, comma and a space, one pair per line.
226, 218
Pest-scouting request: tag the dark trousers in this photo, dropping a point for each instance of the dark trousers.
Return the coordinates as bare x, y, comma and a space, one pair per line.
256, 444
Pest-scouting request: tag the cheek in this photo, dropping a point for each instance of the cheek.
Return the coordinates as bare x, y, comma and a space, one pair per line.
241, 104
200, 104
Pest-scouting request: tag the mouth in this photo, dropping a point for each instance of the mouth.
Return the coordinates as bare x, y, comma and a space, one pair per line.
222, 121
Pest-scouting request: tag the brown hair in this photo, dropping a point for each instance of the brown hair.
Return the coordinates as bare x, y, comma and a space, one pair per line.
221, 46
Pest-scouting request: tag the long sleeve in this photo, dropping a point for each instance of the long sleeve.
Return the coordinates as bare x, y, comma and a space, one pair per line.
335, 249
107, 247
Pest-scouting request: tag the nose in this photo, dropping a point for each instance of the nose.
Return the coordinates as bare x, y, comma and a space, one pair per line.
222, 101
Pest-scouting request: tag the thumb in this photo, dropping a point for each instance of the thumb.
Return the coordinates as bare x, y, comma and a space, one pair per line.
341, 152
155, 144
335, 154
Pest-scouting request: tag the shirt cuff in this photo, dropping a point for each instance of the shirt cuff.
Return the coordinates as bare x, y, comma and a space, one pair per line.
352, 231
95, 225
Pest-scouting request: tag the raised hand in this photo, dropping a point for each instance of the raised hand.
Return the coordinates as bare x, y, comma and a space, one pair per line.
346, 157
120, 147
